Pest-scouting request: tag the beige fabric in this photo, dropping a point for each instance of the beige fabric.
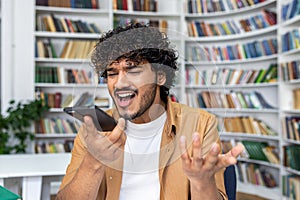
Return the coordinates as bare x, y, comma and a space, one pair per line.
181, 120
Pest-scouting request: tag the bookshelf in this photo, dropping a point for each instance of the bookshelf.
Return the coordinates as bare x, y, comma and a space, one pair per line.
289, 84
57, 45
219, 60
64, 37
196, 74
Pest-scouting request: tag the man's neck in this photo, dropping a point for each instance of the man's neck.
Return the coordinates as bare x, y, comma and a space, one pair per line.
155, 111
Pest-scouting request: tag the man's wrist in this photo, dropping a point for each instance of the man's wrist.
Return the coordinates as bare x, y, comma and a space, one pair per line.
93, 162
203, 185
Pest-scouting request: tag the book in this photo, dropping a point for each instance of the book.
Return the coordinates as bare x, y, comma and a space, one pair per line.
6, 194
296, 98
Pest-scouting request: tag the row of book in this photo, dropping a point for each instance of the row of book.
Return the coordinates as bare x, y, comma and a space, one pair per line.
229, 27
254, 150
56, 125
261, 151
54, 147
291, 186
233, 99
62, 75
123, 21
251, 173
245, 124
290, 10
291, 156
232, 52
291, 40
136, 5
84, 99
59, 100
72, 49
90, 4
291, 127
230, 76
290, 70
52, 23
210, 6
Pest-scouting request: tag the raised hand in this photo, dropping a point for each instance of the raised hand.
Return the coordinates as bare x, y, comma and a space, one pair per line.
200, 169
104, 146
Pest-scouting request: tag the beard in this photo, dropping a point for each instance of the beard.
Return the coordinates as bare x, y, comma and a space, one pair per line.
146, 101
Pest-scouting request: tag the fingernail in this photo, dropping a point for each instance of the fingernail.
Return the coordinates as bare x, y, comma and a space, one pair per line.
195, 137
86, 120
121, 123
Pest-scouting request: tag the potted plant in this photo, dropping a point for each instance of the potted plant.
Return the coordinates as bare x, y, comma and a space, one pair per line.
16, 126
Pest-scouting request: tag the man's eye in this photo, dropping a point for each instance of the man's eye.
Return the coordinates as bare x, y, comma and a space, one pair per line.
112, 74
134, 71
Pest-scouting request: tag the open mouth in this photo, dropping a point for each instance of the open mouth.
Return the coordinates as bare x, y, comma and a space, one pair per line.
124, 98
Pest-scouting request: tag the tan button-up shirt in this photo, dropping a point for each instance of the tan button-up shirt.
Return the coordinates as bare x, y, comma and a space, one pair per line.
181, 120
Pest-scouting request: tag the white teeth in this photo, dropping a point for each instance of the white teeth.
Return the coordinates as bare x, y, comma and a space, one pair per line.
125, 95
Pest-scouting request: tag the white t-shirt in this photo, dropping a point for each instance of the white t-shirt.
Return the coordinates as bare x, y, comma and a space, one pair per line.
141, 160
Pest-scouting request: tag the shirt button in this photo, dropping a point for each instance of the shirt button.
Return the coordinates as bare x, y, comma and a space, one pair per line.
110, 178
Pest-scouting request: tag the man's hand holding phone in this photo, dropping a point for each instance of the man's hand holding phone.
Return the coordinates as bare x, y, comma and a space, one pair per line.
104, 146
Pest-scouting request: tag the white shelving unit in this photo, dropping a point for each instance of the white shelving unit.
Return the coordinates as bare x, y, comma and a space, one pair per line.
269, 90
20, 18
104, 17
286, 87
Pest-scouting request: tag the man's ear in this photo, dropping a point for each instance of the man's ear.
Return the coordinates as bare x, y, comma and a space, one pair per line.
161, 78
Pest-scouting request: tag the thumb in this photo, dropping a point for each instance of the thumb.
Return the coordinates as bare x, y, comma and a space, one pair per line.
118, 130
121, 124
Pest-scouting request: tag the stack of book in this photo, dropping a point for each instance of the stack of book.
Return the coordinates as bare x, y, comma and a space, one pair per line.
135, 5
233, 99
296, 98
228, 76
290, 70
90, 4
62, 75
211, 6
254, 174
232, 52
51, 23
261, 151
291, 127
230, 27
291, 156
245, 124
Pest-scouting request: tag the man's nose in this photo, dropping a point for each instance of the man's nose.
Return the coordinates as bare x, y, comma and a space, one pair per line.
122, 80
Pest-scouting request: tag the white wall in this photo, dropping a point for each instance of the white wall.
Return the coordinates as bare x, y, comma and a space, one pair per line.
17, 36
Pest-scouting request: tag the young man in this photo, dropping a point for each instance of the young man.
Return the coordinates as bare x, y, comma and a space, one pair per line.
159, 149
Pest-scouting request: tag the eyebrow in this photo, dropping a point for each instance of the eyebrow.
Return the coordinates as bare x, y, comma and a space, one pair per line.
126, 67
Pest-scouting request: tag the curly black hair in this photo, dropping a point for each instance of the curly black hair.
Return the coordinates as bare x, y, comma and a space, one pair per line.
137, 43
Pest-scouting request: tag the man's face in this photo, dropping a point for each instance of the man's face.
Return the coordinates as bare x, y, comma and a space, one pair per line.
133, 88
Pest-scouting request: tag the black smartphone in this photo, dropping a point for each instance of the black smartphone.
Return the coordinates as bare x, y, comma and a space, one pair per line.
102, 121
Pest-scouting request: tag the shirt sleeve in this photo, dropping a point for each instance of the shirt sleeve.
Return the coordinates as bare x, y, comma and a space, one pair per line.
210, 136
78, 153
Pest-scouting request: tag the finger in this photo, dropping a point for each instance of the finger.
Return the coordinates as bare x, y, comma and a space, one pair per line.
89, 125
236, 151
230, 158
225, 161
212, 157
118, 131
186, 160
197, 153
